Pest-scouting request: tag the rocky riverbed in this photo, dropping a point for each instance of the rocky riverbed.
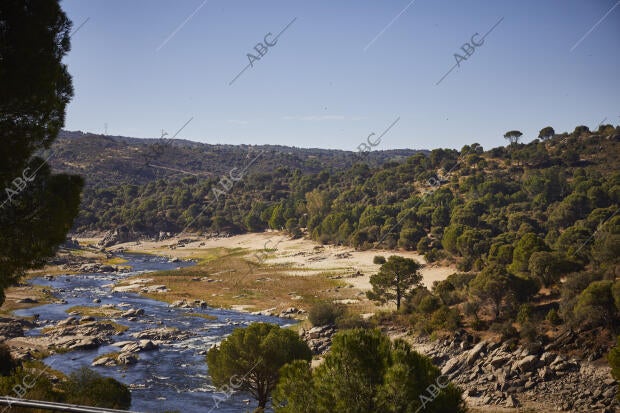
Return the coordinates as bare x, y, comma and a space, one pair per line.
157, 349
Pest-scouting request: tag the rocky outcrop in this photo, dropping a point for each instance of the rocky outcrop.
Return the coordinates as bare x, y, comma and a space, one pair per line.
319, 339
162, 334
116, 359
291, 312
193, 304
508, 375
70, 334
67, 335
97, 268
127, 355
117, 236
10, 329
133, 313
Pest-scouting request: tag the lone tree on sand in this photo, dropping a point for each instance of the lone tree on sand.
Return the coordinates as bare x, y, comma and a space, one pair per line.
395, 279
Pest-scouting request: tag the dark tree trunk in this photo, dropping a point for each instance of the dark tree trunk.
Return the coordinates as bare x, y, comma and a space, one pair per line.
262, 400
398, 294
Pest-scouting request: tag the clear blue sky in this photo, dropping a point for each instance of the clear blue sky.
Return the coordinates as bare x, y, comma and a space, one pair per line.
324, 84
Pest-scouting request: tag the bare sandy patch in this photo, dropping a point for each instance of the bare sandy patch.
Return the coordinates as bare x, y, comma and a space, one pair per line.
301, 257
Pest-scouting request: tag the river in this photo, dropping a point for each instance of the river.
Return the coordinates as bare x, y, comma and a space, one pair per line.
173, 378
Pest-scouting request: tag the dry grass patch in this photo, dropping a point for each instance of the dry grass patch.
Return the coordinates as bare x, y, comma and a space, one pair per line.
224, 278
14, 294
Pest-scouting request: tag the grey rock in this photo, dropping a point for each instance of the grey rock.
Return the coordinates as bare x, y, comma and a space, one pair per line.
527, 363
475, 352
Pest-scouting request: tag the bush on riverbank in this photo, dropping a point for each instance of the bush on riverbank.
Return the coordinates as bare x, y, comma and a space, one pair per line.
324, 313
7, 364
84, 387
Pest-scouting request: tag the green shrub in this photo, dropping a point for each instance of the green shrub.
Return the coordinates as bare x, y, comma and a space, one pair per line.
460, 280
422, 246
478, 325
7, 364
444, 318
324, 313
528, 332
86, 387
434, 255
506, 330
383, 317
348, 320
614, 362
595, 305
39, 389
571, 288
524, 314
429, 304
553, 317
379, 260
413, 300
471, 308
364, 372
465, 264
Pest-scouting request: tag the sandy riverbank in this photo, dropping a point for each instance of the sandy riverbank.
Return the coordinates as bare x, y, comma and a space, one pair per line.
301, 257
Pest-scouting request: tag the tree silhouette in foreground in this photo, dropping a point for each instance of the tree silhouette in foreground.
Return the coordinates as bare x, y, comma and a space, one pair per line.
38, 207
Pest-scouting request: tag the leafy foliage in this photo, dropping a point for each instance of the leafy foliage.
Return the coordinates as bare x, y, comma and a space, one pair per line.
366, 372
7, 364
86, 387
395, 280
324, 313
83, 387
535, 214
252, 357
614, 362
596, 306
38, 207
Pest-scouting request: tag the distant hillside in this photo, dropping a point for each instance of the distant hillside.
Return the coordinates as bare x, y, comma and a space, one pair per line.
393, 198
116, 160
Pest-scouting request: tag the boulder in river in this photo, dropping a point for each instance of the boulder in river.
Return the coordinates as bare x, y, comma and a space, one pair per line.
133, 313
137, 347
116, 359
165, 333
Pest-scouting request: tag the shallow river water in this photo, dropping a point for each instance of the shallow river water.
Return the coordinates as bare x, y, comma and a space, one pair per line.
173, 378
